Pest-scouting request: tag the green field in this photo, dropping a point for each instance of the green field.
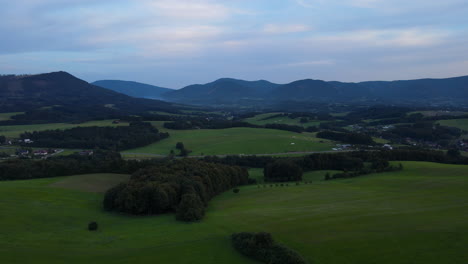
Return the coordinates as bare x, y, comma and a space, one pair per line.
257, 120
419, 215
459, 123
7, 116
236, 141
15, 131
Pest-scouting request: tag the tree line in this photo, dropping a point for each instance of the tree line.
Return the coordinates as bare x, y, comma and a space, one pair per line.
137, 134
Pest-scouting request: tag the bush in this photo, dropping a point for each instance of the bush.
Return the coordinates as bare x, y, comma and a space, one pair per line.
92, 226
262, 247
282, 171
235, 190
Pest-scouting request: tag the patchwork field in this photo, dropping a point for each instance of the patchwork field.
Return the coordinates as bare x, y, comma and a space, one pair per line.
419, 215
236, 141
15, 131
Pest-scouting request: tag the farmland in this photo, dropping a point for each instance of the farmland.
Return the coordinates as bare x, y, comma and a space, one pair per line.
418, 215
236, 141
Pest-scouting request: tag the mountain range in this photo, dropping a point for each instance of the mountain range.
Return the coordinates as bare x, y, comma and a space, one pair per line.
233, 91
134, 89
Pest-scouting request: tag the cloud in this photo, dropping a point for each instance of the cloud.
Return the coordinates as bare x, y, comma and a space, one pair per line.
407, 37
190, 9
285, 28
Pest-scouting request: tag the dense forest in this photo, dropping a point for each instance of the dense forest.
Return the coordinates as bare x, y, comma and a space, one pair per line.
182, 186
137, 134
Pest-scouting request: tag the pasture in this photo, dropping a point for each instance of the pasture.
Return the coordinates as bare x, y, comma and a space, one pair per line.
236, 141
7, 116
16, 130
458, 123
419, 215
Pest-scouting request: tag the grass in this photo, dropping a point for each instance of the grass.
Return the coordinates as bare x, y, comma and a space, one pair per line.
257, 120
98, 183
15, 131
7, 116
236, 141
459, 123
419, 215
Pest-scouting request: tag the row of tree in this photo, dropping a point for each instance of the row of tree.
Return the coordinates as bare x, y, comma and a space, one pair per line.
137, 134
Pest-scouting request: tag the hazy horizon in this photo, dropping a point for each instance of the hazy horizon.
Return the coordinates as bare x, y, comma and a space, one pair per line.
174, 44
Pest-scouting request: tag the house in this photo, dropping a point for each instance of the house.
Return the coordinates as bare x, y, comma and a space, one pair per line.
41, 152
116, 122
86, 153
387, 146
28, 141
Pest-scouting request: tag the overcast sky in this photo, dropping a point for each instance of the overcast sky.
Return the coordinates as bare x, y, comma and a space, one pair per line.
173, 43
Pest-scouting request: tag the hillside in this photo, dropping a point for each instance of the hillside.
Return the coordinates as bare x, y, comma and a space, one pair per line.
418, 215
20, 93
134, 89
224, 90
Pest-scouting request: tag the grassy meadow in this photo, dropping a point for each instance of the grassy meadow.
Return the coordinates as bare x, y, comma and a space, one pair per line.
236, 141
459, 123
16, 130
7, 116
418, 215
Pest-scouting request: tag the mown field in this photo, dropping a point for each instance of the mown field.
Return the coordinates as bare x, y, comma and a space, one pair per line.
15, 131
7, 116
459, 123
258, 120
419, 215
237, 141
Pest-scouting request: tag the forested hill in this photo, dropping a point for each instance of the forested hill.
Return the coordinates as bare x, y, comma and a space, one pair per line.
224, 90
423, 91
27, 92
134, 89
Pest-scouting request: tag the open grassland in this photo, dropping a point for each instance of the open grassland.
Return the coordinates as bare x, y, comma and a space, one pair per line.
15, 131
258, 120
236, 141
7, 116
98, 183
418, 215
459, 123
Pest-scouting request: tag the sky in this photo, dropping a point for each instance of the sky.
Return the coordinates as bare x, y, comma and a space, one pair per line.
174, 43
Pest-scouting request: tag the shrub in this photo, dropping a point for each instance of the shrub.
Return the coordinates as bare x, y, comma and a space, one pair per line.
235, 190
92, 226
262, 247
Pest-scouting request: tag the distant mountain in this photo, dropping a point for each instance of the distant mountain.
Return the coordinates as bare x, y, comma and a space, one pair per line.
224, 90
26, 92
134, 89
232, 91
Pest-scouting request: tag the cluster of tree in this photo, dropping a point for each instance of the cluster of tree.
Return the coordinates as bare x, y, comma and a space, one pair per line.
184, 186
261, 247
2, 139
282, 171
347, 137
206, 124
137, 134
223, 124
